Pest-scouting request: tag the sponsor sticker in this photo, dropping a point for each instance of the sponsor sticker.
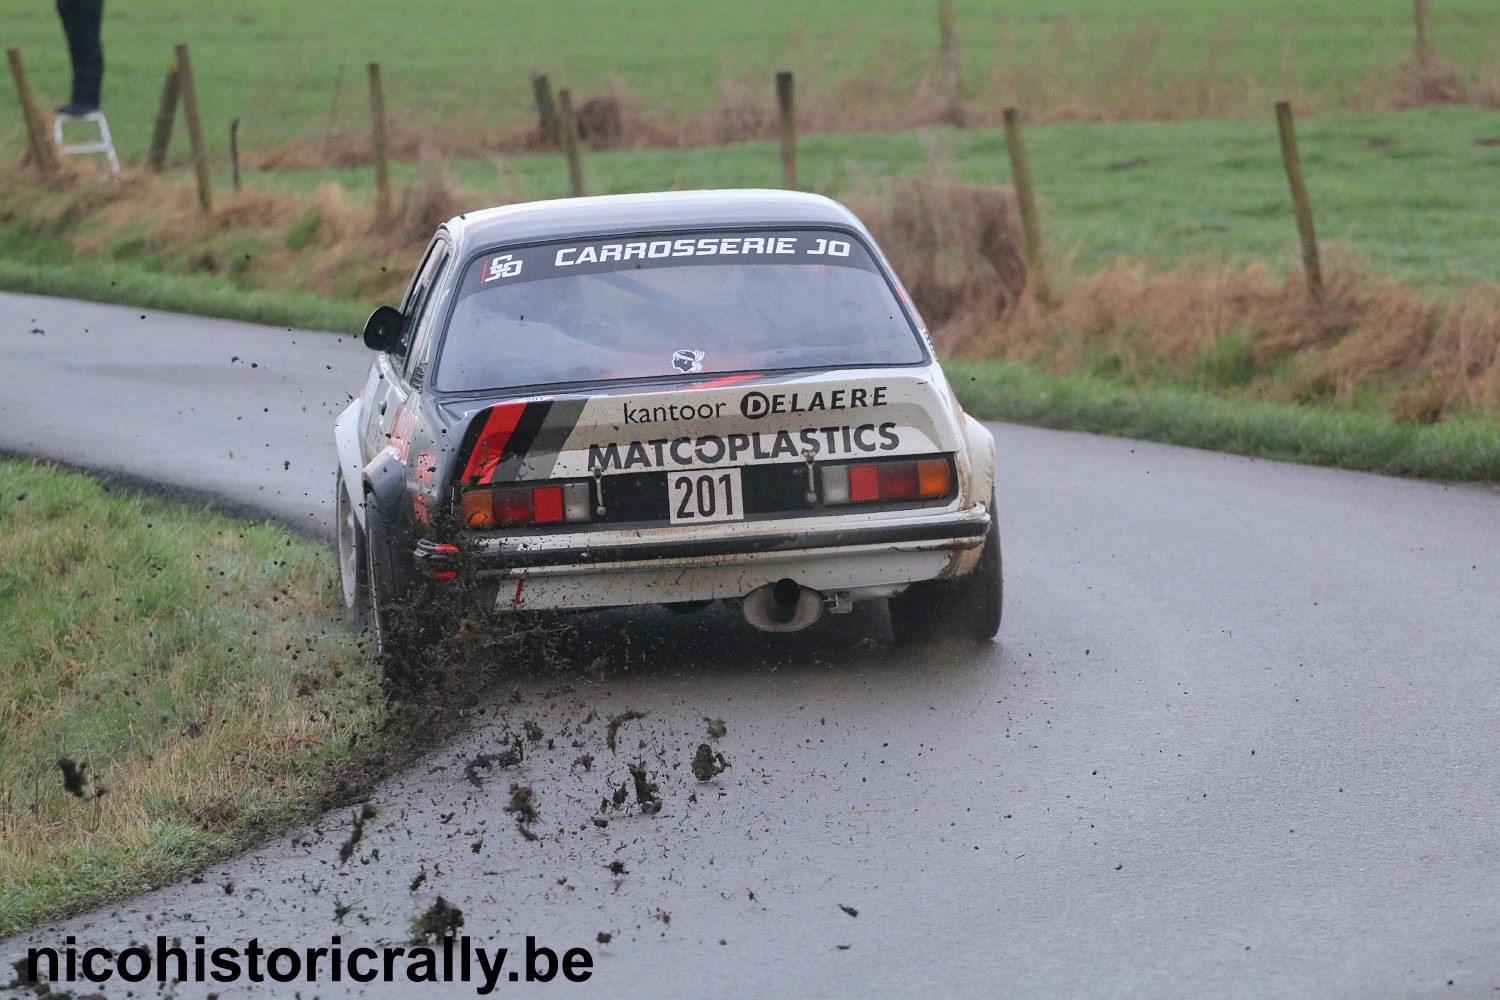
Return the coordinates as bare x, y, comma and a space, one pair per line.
503, 266
550, 260
752, 446
688, 362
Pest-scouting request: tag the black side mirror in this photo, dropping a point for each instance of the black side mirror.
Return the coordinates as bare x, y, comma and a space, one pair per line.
383, 329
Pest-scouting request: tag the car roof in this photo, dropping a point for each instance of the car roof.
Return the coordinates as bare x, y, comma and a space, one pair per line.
605, 215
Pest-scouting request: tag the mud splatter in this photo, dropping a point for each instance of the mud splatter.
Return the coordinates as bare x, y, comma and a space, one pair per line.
523, 805
708, 763
849, 910
647, 794
504, 759
533, 731
441, 919
357, 831
75, 779
615, 724
717, 728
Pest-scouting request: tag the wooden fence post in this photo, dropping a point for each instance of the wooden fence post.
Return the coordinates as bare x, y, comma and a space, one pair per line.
378, 144
1423, 46
546, 110
1031, 228
194, 127
234, 151
43, 153
952, 74
786, 106
569, 125
166, 111
1311, 267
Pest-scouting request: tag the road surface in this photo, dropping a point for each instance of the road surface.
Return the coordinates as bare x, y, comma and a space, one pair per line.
1238, 737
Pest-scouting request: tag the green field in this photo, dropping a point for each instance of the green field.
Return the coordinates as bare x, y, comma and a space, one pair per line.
1412, 191
292, 68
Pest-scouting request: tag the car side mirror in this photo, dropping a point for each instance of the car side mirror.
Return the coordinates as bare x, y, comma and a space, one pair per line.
383, 329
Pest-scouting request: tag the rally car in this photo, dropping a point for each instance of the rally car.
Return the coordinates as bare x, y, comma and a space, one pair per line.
670, 399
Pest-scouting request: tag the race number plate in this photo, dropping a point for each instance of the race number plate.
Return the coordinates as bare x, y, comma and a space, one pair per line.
702, 497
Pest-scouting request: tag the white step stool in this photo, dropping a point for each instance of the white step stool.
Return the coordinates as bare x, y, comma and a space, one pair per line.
105, 143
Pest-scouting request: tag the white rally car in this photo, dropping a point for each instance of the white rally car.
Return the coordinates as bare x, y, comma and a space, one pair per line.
663, 399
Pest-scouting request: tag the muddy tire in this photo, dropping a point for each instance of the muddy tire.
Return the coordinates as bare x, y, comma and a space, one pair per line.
391, 616
969, 607
354, 571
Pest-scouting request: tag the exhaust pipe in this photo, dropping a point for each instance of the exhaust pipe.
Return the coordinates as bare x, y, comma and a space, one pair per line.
783, 606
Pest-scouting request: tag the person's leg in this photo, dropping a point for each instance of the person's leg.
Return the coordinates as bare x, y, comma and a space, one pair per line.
82, 21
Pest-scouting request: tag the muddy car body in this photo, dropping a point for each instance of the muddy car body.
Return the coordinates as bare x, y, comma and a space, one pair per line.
664, 399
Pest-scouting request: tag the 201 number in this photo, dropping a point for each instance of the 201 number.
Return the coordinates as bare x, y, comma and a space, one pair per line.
700, 496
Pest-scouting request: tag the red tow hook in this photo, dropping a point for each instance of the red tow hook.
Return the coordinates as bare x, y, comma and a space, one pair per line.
439, 556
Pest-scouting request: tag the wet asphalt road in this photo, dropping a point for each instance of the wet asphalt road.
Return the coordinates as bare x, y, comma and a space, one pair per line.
1238, 738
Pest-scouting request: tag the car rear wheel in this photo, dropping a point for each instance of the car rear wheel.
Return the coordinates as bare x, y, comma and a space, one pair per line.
353, 573
969, 607
390, 615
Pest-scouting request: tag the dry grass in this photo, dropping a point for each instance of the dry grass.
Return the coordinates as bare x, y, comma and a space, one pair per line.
1241, 328
956, 246
1232, 326
325, 244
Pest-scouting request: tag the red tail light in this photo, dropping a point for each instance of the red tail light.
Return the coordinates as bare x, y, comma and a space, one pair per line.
924, 479
508, 506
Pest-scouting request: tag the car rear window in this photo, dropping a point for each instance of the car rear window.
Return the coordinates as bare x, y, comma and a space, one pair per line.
672, 304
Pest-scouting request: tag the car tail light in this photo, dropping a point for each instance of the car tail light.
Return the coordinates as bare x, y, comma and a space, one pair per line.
924, 479
509, 506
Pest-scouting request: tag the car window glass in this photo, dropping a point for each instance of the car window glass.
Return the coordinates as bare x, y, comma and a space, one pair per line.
425, 319
672, 304
415, 284
418, 298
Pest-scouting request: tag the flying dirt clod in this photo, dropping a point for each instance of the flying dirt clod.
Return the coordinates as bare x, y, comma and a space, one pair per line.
357, 831
504, 759
75, 779
647, 794
441, 919
615, 724
707, 763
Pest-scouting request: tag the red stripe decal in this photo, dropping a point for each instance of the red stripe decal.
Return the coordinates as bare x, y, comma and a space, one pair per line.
716, 383
499, 424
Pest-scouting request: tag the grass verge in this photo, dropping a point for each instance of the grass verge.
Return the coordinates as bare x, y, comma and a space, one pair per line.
188, 665
1368, 441
40, 266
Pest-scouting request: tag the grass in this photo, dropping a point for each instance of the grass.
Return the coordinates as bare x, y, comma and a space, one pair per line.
190, 660
293, 69
1404, 189
46, 267
1372, 442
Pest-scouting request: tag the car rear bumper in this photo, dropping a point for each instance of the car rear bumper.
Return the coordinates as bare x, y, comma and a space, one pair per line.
853, 561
